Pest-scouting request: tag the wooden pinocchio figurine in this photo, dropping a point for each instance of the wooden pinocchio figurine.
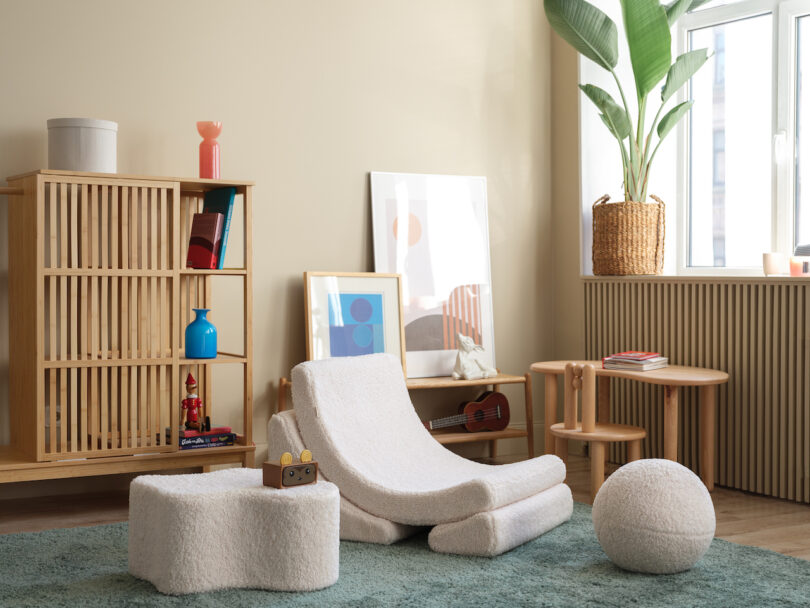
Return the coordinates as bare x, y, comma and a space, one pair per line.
192, 404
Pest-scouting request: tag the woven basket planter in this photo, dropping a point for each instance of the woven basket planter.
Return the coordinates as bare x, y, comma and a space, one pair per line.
628, 237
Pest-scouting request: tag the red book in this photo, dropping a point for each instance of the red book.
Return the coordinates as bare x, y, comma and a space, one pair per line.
205, 240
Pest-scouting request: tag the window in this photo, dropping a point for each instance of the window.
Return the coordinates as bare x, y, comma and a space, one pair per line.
745, 150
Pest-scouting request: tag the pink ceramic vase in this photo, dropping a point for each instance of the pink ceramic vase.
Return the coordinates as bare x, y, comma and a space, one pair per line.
209, 148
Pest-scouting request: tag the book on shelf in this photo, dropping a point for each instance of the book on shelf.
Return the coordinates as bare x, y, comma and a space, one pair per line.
221, 201
634, 360
205, 240
191, 440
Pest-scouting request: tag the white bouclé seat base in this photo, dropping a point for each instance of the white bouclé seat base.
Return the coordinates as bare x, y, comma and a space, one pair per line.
355, 523
201, 532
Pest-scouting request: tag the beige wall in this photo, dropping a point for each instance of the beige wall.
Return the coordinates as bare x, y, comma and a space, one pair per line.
313, 95
569, 302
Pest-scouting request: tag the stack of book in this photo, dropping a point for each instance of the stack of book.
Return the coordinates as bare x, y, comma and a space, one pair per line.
635, 361
216, 437
209, 230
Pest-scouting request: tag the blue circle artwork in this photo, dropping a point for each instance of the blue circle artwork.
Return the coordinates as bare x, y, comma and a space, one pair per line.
362, 335
356, 324
361, 310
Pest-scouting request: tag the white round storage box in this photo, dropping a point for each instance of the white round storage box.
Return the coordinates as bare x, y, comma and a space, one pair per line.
82, 144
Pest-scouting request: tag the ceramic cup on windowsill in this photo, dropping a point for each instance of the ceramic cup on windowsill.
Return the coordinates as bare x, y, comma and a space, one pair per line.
774, 264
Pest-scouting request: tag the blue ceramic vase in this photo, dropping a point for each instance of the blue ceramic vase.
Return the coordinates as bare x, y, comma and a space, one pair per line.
201, 337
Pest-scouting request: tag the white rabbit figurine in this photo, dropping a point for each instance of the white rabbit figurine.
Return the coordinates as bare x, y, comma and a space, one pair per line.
468, 366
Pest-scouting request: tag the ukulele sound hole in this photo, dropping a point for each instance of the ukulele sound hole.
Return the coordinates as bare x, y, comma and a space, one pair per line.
479, 416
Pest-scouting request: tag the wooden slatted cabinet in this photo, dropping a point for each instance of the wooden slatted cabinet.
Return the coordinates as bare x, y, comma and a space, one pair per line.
99, 298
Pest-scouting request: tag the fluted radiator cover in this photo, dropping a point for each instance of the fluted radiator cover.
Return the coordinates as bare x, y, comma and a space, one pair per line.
758, 330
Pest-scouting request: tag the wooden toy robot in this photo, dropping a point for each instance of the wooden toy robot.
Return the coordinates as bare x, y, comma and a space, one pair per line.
285, 474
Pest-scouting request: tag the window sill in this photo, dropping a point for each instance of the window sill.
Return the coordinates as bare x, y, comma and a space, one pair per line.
700, 278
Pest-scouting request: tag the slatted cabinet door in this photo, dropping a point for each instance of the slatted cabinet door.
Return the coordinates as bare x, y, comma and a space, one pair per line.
110, 341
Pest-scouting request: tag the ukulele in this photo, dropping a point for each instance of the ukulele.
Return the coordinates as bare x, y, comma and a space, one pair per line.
490, 412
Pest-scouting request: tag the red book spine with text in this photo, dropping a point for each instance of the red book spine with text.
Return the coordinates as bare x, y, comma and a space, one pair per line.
205, 240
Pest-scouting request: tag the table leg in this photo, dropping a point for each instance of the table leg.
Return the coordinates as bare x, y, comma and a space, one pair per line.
671, 422
603, 403
707, 432
551, 410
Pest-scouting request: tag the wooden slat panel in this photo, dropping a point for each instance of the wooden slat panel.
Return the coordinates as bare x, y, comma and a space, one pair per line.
758, 331
63, 410
52, 400
124, 417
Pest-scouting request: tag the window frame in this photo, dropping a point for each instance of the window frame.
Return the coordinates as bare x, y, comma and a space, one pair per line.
785, 15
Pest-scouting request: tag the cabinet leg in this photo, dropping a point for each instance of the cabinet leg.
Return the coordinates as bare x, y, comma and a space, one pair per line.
493, 452
248, 460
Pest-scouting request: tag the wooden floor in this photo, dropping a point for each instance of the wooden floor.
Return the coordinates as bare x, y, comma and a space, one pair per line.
747, 519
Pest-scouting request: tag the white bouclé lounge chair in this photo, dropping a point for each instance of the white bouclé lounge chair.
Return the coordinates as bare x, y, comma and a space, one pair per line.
356, 416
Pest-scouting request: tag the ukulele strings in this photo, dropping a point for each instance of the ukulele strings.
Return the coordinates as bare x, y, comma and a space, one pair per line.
491, 414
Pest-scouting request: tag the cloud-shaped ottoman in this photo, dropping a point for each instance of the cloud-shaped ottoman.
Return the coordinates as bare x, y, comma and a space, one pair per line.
193, 533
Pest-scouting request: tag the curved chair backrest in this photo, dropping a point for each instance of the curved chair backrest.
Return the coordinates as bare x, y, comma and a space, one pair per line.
580, 378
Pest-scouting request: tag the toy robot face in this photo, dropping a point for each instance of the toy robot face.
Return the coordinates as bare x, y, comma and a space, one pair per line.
299, 474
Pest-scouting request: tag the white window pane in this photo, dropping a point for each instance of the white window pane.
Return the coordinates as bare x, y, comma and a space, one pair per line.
712, 4
730, 145
803, 134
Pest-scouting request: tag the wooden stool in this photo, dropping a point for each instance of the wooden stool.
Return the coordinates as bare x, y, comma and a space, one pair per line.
583, 378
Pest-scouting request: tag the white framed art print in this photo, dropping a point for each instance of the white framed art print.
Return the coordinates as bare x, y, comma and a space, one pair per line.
433, 230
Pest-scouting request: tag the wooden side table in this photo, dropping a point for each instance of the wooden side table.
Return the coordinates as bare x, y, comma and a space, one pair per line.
671, 378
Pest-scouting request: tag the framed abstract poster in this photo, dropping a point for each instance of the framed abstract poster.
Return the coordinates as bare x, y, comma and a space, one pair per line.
433, 230
353, 313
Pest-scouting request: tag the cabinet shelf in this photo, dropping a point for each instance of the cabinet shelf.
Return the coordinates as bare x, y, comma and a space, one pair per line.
220, 359
16, 466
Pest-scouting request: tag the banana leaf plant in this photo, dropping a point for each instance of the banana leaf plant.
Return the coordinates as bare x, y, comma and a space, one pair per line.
647, 26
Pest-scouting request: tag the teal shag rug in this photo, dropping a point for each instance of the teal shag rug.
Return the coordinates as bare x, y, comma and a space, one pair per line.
565, 567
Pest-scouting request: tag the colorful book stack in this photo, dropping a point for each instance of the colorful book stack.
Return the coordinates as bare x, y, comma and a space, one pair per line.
635, 361
192, 440
209, 230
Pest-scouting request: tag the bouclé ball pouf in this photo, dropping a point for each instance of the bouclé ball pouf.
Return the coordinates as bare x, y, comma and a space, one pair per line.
654, 516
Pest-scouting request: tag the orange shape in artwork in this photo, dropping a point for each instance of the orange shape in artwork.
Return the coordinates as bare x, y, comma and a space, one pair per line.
414, 229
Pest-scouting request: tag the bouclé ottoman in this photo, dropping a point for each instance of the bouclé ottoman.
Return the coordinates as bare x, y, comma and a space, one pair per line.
193, 533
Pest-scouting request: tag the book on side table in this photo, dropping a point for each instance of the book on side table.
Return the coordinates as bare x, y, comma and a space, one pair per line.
635, 361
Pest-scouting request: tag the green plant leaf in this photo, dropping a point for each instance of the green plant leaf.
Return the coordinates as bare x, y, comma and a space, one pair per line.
672, 117
647, 30
681, 71
586, 28
676, 8
613, 114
